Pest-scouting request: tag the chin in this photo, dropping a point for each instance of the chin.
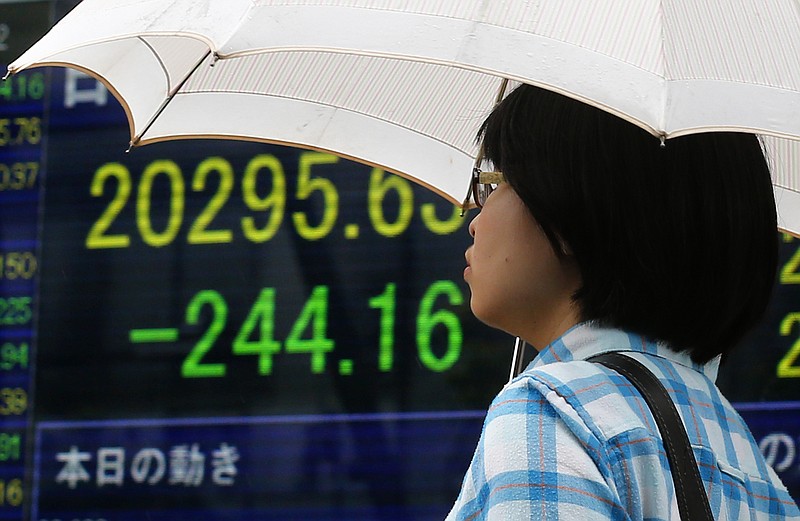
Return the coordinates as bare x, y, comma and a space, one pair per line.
486, 314
493, 316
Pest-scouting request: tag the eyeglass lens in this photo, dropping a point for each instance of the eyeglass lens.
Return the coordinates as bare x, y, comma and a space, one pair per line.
482, 192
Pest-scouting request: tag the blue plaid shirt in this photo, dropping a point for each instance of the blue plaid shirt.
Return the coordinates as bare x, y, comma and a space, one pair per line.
573, 440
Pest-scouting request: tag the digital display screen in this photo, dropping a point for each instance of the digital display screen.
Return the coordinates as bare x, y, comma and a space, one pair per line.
229, 330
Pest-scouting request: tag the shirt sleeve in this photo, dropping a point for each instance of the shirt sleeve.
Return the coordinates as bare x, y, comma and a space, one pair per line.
534, 461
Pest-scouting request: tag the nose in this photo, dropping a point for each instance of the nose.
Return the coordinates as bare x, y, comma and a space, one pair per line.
472, 225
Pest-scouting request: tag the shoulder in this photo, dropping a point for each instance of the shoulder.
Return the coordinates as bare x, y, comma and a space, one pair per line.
592, 401
575, 406
537, 449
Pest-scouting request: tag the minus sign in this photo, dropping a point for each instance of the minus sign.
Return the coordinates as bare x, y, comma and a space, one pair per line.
146, 336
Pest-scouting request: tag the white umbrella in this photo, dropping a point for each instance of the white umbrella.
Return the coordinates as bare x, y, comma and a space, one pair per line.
404, 84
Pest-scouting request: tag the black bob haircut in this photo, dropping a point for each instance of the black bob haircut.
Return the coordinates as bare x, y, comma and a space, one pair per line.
678, 242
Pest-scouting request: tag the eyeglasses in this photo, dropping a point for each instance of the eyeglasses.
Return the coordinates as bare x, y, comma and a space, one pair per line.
483, 184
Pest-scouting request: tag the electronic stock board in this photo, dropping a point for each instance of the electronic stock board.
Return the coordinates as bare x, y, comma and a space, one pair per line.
239, 331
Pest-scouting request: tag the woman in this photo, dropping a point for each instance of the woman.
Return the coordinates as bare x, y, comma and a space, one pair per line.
602, 238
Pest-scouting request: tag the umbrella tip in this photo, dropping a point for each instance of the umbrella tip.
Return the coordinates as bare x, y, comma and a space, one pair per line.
663, 139
9, 72
133, 143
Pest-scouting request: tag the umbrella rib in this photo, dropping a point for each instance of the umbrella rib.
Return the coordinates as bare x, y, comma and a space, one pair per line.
329, 105
170, 95
158, 59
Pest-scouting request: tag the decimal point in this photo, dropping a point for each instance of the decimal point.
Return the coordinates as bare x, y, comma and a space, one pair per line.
345, 367
351, 231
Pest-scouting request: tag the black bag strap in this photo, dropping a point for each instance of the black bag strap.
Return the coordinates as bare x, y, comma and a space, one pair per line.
689, 489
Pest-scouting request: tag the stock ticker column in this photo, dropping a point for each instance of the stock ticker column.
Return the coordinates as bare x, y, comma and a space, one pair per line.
761, 376
21, 168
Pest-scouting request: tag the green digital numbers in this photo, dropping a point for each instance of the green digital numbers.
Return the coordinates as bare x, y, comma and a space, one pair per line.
10, 447
15, 311
428, 320
193, 367
26, 86
261, 319
439, 335
386, 302
315, 316
256, 336
13, 356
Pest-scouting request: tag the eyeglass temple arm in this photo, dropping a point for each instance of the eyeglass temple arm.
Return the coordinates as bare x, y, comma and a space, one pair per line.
491, 178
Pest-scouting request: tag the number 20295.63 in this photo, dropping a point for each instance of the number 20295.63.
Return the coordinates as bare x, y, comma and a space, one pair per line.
267, 210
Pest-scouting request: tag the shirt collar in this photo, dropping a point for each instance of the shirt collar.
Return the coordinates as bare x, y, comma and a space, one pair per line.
587, 339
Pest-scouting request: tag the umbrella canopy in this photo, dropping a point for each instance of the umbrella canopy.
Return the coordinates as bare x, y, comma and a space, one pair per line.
404, 84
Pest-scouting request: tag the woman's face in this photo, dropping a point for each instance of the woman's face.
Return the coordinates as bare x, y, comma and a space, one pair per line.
518, 283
